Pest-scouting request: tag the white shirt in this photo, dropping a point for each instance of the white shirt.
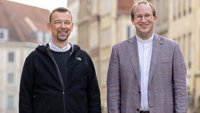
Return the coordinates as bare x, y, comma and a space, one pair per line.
57, 49
145, 51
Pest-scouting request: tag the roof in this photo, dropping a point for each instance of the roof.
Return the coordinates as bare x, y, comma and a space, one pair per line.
22, 20
124, 6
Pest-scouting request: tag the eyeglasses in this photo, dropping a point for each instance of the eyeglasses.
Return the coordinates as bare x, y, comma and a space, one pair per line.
140, 17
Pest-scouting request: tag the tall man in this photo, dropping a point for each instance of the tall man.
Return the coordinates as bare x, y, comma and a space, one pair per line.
147, 73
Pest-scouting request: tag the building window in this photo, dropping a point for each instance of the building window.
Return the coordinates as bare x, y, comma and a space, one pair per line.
43, 37
106, 6
10, 78
10, 103
184, 7
3, 35
174, 10
179, 9
199, 49
190, 6
11, 57
189, 41
106, 37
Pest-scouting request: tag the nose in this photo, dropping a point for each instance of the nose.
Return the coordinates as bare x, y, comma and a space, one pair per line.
63, 25
143, 19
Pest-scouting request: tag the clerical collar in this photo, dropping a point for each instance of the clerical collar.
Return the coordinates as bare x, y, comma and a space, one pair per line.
53, 47
145, 41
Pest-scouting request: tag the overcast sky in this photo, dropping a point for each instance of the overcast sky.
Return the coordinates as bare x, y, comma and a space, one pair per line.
46, 4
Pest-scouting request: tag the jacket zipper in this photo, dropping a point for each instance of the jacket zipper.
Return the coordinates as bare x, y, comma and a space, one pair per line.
60, 78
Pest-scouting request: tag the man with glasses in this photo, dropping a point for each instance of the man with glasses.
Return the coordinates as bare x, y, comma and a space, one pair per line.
146, 73
59, 77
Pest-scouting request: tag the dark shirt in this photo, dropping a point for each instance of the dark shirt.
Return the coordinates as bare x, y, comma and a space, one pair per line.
62, 60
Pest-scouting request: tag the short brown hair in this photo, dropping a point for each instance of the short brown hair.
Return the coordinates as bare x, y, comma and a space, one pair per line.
59, 9
142, 2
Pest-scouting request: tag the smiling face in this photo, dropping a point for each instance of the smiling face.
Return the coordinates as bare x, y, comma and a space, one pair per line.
143, 20
60, 26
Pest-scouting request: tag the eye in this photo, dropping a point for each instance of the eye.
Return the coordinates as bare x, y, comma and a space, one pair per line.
57, 22
138, 17
148, 16
67, 22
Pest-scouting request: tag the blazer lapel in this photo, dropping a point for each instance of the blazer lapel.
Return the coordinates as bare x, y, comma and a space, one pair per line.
157, 43
132, 50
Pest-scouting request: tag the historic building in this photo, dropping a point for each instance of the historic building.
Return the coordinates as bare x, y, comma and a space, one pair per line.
162, 23
22, 28
73, 6
184, 27
102, 23
179, 20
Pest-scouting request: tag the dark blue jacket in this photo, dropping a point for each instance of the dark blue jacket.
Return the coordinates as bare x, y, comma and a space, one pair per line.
43, 90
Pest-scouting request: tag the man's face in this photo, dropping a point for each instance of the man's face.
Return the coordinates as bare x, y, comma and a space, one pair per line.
144, 21
60, 26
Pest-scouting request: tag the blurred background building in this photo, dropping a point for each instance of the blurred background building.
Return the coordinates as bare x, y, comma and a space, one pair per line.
101, 24
98, 25
22, 28
74, 5
184, 27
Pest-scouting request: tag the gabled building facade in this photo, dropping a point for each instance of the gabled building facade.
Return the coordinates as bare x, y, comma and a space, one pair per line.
22, 28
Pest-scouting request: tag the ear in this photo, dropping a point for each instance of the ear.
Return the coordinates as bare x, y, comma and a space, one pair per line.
155, 18
132, 21
72, 26
49, 26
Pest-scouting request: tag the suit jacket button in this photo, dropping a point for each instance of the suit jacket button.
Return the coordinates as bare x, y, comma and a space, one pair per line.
139, 92
137, 109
